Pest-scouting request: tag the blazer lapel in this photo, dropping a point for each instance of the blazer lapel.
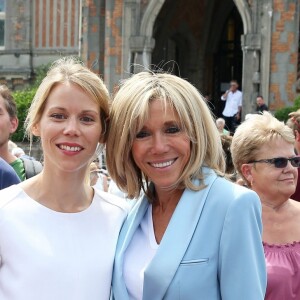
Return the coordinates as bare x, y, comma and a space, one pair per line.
126, 234
175, 241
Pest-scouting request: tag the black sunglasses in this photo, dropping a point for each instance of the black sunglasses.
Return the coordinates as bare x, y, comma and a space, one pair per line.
280, 162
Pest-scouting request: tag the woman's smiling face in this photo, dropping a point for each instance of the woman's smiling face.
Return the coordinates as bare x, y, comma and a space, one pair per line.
161, 149
268, 181
69, 128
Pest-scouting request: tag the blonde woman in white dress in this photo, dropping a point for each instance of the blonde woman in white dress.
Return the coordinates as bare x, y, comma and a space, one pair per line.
57, 234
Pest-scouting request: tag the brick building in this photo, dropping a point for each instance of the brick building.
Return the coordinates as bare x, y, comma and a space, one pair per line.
34, 33
207, 42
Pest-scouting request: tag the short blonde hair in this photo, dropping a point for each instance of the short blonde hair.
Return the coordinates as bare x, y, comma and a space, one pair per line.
130, 109
294, 121
254, 133
69, 70
220, 121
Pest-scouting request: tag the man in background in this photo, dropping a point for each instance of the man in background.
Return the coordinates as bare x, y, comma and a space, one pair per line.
8, 125
8, 175
233, 106
261, 106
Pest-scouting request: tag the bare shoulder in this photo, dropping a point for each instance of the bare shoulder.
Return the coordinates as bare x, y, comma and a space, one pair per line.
28, 183
295, 204
30, 186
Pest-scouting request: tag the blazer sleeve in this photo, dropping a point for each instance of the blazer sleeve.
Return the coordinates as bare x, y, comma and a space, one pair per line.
241, 270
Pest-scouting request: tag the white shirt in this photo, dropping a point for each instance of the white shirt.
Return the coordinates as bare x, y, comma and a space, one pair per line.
113, 189
138, 255
49, 255
99, 185
233, 101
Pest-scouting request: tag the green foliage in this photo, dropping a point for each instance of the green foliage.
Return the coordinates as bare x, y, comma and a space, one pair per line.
40, 74
23, 100
283, 113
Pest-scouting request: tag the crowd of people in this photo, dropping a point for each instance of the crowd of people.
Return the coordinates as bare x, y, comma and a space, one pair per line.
213, 216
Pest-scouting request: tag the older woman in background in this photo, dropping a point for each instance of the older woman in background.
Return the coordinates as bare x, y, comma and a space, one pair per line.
263, 153
186, 238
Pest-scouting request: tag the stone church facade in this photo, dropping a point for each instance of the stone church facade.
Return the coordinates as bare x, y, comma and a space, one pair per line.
208, 42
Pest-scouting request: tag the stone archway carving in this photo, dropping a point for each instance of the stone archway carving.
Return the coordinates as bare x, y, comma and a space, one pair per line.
142, 45
149, 17
152, 10
256, 64
244, 10
154, 7
251, 44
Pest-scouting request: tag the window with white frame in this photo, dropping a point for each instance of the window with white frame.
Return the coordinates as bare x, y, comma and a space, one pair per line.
2, 23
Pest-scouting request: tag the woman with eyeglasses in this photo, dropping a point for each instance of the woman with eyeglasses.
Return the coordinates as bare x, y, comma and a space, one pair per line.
263, 153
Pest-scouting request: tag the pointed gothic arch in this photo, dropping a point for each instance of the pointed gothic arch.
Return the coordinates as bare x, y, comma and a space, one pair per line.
154, 7
244, 10
149, 17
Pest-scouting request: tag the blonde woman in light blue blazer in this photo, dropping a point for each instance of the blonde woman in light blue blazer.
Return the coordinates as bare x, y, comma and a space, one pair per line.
194, 235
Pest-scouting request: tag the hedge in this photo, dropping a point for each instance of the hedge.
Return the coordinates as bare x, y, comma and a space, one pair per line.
23, 100
283, 113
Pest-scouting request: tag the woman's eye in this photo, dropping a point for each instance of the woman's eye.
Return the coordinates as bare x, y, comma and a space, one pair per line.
58, 116
173, 129
87, 119
142, 134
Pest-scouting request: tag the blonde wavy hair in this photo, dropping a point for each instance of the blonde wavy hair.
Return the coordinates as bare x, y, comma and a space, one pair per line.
130, 110
255, 132
294, 121
69, 70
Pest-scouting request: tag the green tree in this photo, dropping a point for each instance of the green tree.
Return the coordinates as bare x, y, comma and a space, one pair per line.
23, 100
283, 113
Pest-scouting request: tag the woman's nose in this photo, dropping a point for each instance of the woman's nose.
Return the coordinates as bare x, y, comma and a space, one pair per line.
159, 143
72, 127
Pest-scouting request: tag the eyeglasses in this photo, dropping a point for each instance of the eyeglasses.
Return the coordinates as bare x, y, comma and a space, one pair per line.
280, 162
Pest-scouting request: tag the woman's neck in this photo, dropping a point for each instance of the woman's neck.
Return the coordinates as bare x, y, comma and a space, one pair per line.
272, 202
60, 193
163, 208
274, 206
165, 199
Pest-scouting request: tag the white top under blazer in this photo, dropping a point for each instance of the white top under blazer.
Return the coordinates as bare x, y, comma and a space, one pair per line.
135, 264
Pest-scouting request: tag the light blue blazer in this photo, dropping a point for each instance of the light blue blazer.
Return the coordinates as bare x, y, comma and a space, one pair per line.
211, 250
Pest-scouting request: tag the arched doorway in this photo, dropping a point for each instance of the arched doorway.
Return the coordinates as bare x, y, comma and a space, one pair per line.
228, 59
200, 41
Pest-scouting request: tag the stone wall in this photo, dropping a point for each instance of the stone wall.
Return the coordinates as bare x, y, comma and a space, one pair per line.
113, 43
284, 53
36, 33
